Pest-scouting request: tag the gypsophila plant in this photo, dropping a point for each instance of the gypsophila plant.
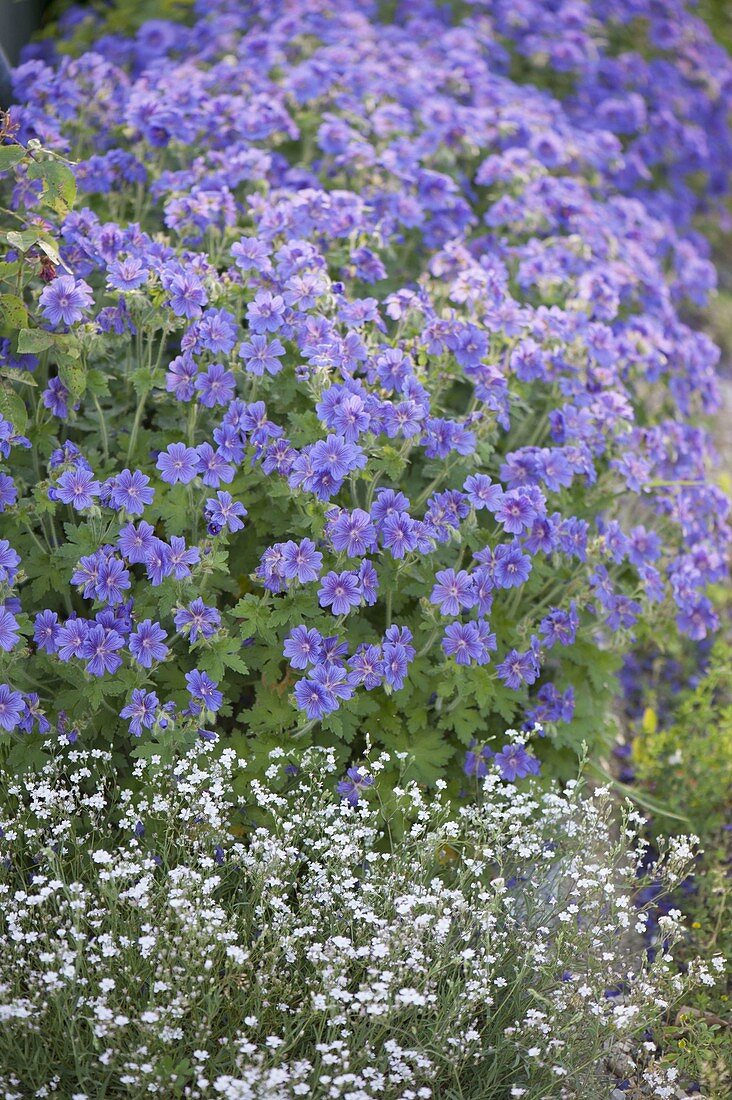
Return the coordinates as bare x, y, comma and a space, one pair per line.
146, 949
347, 401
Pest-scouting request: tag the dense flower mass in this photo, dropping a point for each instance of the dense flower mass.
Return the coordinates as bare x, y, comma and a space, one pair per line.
491, 955
339, 402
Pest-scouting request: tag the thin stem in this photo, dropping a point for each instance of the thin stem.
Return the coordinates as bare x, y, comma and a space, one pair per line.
102, 427
136, 424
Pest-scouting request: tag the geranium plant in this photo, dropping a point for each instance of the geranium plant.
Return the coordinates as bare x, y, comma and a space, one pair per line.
349, 403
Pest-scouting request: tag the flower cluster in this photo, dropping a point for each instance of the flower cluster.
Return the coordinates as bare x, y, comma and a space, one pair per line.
355, 403
307, 960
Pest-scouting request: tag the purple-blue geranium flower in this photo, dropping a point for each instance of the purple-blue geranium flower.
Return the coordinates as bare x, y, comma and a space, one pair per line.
336, 457
65, 300
136, 541
78, 487
112, 580
353, 786
303, 646
182, 557
181, 377
213, 467
266, 313
453, 591
261, 354
301, 561
127, 274
204, 690
187, 296
146, 643
55, 398
560, 626
334, 679
352, 532
9, 562
9, 636
396, 664
8, 491
463, 641
340, 592
178, 464
482, 492
224, 512
398, 534
157, 562
197, 619
71, 638
477, 761
100, 650
516, 512
518, 668
512, 567
46, 630
130, 491
369, 580
11, 707
514, 762
388, 502
141, 710
216, 386
367, 666
314, 699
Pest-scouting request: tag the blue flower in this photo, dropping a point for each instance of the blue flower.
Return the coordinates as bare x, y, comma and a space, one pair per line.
204, 690
146, 643
453, 591
100, 650
303, 647
129, 491
197, 619
65, 300
216, 386
314, 699
9, 636
301, 561
340, 592
11, 707
77, 487
352, 787
224, 511
141, 710
46, 631
514, 762
178, 464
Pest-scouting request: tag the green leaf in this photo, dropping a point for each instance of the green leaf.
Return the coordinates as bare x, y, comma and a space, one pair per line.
10, 155
73, 375
23, 239
13, 314
47, 244
59, 185
12, 407
20, 377
33, 340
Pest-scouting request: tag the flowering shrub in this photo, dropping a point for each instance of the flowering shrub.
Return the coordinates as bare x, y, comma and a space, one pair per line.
488, 956
340, 402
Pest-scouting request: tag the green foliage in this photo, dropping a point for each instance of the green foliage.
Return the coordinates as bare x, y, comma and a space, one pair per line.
688, 764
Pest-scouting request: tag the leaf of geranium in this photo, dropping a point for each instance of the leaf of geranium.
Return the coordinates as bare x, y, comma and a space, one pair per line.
59, 185
13, 314
10, 155
72, 374
12, 407
22, 239
33, 340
